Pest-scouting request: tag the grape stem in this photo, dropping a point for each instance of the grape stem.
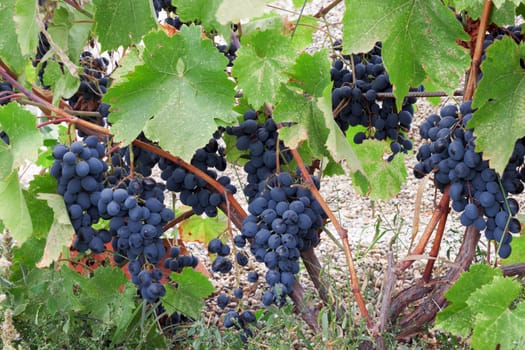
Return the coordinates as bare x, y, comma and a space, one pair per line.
324, 10
343, 234
436, 245
440, 212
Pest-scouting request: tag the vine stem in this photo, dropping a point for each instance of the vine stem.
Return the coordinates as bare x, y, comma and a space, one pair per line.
436, 245
441, 211
478, 51
324, 10
343, 234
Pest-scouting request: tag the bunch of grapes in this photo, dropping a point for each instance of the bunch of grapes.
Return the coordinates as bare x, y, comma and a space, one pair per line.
354, 97
221, 263
260, 139
476, 190
176, 262
79, 171
193, 189
284, 220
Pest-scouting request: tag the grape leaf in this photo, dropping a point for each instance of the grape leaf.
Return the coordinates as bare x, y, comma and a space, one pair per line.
204, 12
336, 143
122, 22
25, 139
419, 41
500, 95
299, 3
192, 287
311, 73
458, 317
41, 214
105, 285
27, 26
261, 63
70, 30
495, 323
13, 208
235, 10
503, 13
61, 232
9, 48
202, 229
302, 36
174, 94
63, 84
385, 178
310, 125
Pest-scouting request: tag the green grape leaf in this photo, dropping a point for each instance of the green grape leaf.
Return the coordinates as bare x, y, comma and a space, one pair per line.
41, 213
419, 41
26, 256
122, 22
311, 73
495, 323
105, 286
499, 95
261, 63
27, 26
336, 143
204, 12
503, 13
63, 84
458, 317
385, 178
192, 287
61, 232
202, 229
13, 208
70, 30
127, 65
310, 125
173, 94
10, 50
25, 139
235, 10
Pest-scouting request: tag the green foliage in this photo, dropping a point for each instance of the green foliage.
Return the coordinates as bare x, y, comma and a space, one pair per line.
481, 303
27, 26
383, 178
202, 229
260, 67
503, 14
235, 10
500, 93
173, 82
418, 41
61, 232
202, 11
113, 19
10, 50
192, 288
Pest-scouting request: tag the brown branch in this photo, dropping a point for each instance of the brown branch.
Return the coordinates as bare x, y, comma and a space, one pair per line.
388, 288
436, 246
313, 267
178, 219
324, 10
441, 210
426, 311
342, 233
513, 270
478, 50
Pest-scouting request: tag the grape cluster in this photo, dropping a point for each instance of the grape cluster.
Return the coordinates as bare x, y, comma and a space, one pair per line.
354, 97
42, 48
148, 281
261, 141
192, 188
221, 263
143, 160
284, 220
79, 171
137, 216
229, 51
476, 190
176, 262
166, 5
5, 89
